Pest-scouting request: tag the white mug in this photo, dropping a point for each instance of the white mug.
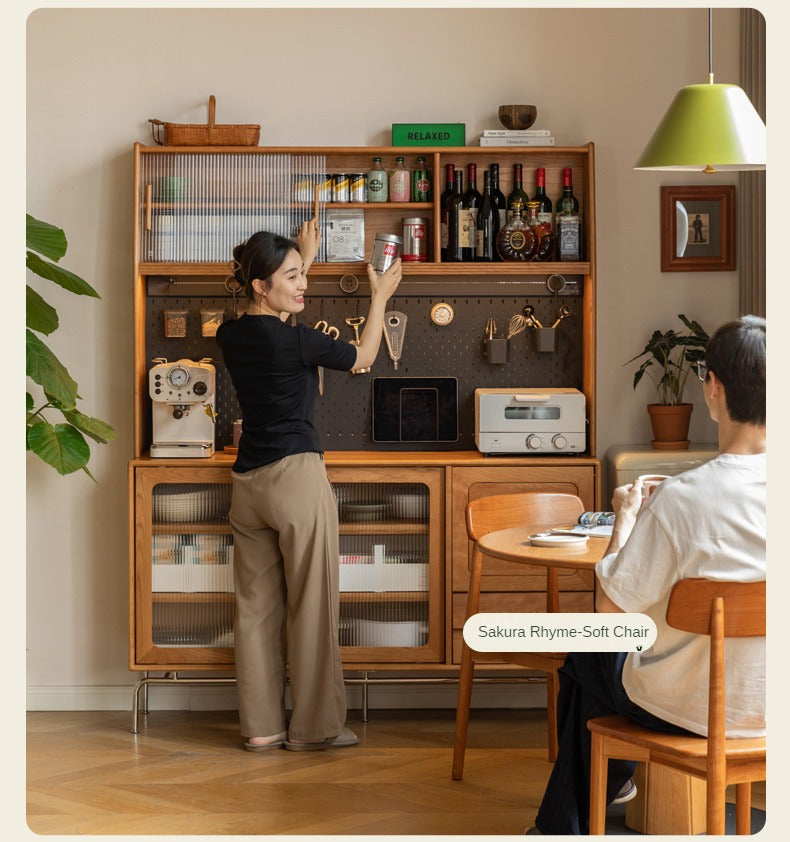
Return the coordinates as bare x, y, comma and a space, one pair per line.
650, 483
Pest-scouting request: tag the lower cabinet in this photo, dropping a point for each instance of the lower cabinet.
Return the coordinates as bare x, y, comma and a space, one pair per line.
404, 559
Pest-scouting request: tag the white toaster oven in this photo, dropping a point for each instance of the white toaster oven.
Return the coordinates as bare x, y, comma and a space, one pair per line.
530, 421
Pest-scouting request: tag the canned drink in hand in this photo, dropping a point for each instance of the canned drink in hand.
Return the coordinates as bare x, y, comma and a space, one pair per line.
386, 249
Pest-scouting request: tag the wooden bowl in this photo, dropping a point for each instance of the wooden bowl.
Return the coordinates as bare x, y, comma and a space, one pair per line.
517, 116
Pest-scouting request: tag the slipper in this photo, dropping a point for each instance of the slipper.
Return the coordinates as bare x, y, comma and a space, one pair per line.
263, 746
627, 792
344, 739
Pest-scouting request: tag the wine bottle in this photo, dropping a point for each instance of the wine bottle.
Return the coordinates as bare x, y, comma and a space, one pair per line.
456, 220
421, 182
544, 202
487, 219
567, 202
473, 198
444, 207
400, 182
517, 194
377, 182
500, 202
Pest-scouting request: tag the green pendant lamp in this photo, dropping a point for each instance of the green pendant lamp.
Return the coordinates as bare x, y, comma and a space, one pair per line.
708, 128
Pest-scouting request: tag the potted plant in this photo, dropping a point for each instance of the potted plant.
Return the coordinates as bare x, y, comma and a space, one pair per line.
675, 355
62, 445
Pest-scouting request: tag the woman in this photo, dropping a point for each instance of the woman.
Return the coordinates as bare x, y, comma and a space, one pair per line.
283, 510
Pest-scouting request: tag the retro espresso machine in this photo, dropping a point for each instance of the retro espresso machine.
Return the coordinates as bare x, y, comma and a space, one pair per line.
182, 395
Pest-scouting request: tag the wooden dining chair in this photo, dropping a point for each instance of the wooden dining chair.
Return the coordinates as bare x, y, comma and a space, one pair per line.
534, 510
718, 609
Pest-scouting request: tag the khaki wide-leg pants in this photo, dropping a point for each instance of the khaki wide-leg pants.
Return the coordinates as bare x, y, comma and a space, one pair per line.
285, 564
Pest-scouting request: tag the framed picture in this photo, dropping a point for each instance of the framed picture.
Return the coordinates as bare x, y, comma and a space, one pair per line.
698, 228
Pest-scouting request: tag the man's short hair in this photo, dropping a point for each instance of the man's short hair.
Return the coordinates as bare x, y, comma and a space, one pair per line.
736, 355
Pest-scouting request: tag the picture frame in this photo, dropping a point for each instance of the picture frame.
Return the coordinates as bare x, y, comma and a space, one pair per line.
698, 228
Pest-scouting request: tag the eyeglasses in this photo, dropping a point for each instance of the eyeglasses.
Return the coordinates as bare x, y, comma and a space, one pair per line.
702, 371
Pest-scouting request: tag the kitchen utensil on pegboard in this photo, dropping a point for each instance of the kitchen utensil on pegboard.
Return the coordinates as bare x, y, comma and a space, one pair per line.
355, 323
330, 330
494, 347
394, 333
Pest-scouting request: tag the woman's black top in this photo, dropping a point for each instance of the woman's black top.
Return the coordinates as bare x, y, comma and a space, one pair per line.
273, 367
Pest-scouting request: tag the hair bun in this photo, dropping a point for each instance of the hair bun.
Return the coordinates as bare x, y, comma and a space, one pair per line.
238, 271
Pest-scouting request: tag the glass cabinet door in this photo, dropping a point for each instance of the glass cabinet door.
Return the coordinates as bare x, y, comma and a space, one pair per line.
390, 563
184, 604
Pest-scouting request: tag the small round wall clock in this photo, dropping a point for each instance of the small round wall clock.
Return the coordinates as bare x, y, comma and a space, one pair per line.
442, 314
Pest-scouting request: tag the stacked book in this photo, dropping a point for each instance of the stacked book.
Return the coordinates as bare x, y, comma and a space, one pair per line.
516, 137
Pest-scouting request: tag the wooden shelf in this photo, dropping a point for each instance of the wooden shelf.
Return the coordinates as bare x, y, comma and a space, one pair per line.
192, 596
384, 596
190, 528
448, 270
384, 528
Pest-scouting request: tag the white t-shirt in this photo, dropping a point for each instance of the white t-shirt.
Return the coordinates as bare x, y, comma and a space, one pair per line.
706, 523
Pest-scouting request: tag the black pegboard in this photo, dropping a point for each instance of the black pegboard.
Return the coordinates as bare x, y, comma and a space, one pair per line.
343, 413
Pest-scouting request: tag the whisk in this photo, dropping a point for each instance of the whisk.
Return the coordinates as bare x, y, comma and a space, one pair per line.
516, 324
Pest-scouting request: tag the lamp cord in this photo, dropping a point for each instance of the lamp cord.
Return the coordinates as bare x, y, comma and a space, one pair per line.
710, 46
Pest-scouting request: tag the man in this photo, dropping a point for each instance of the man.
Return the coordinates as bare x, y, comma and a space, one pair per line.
708, 522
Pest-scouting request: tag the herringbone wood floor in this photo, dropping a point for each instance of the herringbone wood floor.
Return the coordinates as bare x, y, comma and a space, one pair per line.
186, 773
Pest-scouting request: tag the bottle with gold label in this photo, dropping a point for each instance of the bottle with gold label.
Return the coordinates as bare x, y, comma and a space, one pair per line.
517, 241
545, 247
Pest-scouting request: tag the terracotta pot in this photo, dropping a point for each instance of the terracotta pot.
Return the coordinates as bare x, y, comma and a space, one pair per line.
670, 425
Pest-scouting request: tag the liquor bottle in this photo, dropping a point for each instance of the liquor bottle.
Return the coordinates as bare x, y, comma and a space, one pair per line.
421, 182
517, 194
487, 227
545, 247
455, 220
444, 206
400, 182
500, 202
516, 241
473, 198
544, 202
567, 221
377, 182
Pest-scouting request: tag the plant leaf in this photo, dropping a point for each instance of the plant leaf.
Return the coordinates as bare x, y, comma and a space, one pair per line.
60, 445
100, 431
29, 403
44, 238
44, 368
41, 317
62, 277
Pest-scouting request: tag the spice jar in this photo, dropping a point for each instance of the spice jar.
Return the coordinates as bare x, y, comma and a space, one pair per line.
210, 319
176, 323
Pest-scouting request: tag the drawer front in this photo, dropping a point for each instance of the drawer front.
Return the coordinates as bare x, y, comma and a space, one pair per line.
472, 483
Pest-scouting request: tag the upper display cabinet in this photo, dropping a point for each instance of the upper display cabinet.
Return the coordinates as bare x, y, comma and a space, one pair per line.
194, 204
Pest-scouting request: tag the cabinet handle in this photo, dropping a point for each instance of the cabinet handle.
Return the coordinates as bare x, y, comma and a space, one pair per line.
148, 208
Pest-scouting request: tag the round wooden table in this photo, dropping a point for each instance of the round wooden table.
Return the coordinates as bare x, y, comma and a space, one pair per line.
514, 545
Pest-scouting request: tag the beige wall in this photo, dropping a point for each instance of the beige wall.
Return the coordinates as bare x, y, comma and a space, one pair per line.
330, 77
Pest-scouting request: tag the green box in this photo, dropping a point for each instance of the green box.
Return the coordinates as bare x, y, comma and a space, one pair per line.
429, 134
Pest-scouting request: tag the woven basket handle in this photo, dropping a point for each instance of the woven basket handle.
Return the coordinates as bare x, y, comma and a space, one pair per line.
212, 110
156, 131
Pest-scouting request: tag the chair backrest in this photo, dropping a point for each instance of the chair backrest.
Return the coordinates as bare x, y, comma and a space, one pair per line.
534, 509
718, 609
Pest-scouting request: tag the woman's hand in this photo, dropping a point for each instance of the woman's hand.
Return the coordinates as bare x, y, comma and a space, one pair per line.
386, 284
308, 239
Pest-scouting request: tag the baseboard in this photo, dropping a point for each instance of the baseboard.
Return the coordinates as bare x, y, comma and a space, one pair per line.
183, 695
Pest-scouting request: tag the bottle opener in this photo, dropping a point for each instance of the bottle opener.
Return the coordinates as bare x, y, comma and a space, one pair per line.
394, 333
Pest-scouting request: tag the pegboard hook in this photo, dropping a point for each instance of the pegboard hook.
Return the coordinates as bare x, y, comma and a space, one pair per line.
556, 283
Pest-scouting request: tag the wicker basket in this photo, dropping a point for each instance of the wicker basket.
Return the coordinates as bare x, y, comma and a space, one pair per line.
194, 134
